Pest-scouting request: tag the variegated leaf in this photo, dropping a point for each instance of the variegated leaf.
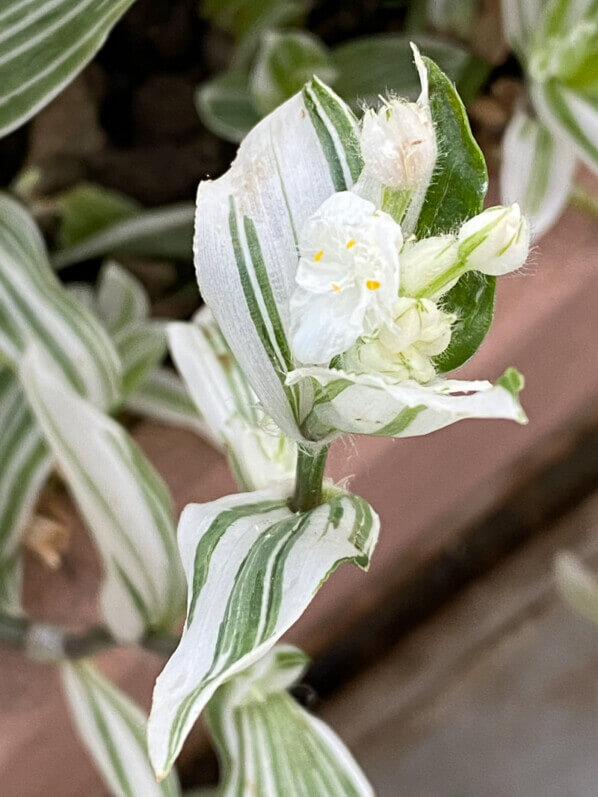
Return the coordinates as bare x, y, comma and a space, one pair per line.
164, 397
571, 115
121, 298
269, 745
536, 171
113, 729
158, 233
34, 307
122, 305
252, 568
43, 45
370, 404
126, 504
258, 452
141, 346
520, 21
25, 463
246, 233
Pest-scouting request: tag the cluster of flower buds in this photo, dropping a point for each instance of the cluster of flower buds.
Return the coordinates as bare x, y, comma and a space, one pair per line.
366, 295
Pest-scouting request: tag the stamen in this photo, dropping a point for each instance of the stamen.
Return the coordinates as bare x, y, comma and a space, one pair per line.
351, 243
372, 285
335, 287
319, 255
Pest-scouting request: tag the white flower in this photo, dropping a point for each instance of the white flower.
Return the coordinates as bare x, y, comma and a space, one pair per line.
423, 262
496, 241
398, 144
347, 279
404, 349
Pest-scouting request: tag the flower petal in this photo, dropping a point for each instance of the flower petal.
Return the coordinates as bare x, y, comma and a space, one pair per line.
326, 324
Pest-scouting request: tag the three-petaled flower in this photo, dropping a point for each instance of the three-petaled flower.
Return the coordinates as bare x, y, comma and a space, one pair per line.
347, 278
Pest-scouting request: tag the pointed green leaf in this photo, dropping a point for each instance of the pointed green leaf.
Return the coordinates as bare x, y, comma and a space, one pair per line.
471, 301
35, 308
43, 45
460, 177
126, 504
271, 746
225, 106
87, 208
285, 61
456, 193
157, 233
252, 568
113, 729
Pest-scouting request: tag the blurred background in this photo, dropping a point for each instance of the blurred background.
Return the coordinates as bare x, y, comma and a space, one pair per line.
454, 668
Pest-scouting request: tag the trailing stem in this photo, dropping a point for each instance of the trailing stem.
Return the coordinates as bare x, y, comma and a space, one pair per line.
50, 643
309, 478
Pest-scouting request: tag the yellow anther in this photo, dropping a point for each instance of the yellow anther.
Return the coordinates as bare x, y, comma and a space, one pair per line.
372, 285
351, 243
319, 255
335, 287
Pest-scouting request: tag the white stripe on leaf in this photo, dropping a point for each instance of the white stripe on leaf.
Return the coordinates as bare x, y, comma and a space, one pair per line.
571, 115
121, 303
246, 231
258, 452
371, 404
520, 22
536, 171
35, 308
43, 46
252, 568
113, 729
256, 725
25, 463
164, 397
124, 501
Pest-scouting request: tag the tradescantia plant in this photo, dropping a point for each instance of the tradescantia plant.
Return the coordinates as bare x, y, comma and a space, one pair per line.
556, 124
347, 267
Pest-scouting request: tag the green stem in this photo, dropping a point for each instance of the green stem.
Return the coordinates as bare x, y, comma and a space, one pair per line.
16, 632
580, 197
308, 479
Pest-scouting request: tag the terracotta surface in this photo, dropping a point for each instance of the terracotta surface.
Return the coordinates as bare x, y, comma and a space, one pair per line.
425, 490
496, 695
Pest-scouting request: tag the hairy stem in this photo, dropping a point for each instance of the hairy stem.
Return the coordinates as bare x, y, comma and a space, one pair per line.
51, 643
584, 199
308, 478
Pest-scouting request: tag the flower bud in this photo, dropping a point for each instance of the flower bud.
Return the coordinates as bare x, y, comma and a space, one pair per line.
398, 144
424, 263
404, 349
496, 241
